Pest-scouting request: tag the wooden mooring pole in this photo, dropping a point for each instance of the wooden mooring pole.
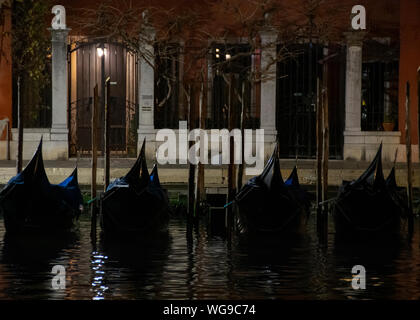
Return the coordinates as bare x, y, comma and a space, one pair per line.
323, 136
199, 183
20, 108
94, 139
191, 169
242, 164
325, 143
409, 161
106, 134
319, 150
231, 166
8, 135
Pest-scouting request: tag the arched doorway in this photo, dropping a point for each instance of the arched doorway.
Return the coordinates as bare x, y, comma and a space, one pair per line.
85, 72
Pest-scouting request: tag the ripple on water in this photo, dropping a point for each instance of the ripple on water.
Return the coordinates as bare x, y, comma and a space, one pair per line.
207, 268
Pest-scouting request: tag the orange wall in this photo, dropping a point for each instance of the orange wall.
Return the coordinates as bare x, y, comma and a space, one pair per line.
409, 63
6, 72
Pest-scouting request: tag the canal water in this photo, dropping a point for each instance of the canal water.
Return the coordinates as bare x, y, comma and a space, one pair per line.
208, 267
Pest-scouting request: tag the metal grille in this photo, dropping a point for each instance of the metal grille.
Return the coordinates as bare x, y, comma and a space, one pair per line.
35, 100
379, 95
336, 100
296, 101
239, 67
167, 112
123, 126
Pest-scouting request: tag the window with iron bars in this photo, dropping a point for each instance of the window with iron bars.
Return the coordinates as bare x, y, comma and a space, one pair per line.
35, 99
379, 105
232, 62
379, 96
167, 111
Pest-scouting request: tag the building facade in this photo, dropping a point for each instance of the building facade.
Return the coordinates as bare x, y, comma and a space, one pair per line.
366, 79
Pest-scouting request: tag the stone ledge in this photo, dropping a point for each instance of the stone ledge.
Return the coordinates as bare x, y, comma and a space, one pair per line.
362, 145
369, 137
372, 133
32, 134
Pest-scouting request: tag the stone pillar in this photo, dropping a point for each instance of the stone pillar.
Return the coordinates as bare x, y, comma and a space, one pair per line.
146, 92
59, 128
268, 88
354, 80
353, 139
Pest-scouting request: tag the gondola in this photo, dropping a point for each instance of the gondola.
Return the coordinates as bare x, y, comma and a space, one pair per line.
370, 205
269, 206
30, 203
136, 205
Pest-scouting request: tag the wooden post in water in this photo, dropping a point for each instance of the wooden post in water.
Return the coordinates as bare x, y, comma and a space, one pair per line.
8, 140
191, 170
106, 133
94, 140
319, 150
325, 143
20, 108
242, 164
409, 161
231, 166
199, 185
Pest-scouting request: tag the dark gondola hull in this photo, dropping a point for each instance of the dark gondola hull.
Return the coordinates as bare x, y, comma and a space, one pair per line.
269, 212
268, 206
41, 212
358, 211
135, 206
126, 213
30, 204
370, 206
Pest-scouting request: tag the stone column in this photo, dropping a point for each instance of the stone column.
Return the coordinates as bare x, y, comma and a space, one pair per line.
59, 128
354, 80
146, 91
353, 138
268, 88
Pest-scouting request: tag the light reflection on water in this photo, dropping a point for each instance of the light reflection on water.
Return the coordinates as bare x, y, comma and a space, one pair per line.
207, 268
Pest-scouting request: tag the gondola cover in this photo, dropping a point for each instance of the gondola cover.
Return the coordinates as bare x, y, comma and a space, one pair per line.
268, 205
136, 204
370, 204
29, 202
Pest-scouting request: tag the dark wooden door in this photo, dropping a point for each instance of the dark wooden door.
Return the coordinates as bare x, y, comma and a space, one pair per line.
88, 74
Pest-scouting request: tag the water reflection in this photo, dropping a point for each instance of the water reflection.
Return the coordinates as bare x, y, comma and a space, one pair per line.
28, 262
99, 287
207, 267
133, 268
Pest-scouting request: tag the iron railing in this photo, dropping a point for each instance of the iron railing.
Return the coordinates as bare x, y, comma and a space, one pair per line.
296, 96
379, 95
123, 126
